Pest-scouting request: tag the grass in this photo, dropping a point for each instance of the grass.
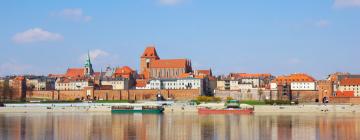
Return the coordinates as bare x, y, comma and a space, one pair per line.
253, 102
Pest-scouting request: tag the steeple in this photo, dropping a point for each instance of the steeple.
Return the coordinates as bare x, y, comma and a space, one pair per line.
88, 66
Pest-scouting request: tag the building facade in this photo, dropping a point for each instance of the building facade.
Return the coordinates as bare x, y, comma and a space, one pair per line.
180, 83
151, 66
117, 83
73, 83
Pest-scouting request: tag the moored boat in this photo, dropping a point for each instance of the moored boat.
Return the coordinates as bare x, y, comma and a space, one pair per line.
137, 109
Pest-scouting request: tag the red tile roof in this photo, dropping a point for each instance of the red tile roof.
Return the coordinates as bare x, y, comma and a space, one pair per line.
124, 71
298, 77
150, 52
169, 63
75, 72
345, 93
250, 75
204, 72
350, 81
141, 83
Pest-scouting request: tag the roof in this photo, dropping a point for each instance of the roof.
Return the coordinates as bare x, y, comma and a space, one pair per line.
124, 71
204, 72
141, 83
298, 77
75, 72
55, 75
350, 81
250, 75
150, 52
169, 63
345, 93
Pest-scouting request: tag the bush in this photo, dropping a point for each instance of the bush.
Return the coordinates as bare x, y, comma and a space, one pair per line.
208, 99
229, 98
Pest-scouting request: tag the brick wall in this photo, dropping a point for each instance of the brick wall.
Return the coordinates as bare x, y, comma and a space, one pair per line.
114, 94
305, 96
350, 100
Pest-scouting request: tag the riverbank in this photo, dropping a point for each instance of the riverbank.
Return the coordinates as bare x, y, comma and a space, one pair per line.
176, 108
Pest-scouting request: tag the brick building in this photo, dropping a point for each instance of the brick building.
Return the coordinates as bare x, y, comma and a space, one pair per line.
151, 66
298, 86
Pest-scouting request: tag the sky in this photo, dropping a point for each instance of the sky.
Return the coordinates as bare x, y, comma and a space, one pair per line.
280, 37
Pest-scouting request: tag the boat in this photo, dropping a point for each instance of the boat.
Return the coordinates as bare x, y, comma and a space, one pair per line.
231, 107
137, 109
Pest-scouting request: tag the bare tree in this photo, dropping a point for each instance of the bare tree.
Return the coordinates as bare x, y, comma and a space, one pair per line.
260, 92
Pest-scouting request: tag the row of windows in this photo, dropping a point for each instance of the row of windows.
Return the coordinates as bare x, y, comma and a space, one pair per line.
71, 84
167, 72
301, 87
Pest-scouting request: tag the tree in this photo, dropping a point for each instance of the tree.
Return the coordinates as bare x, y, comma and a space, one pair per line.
260, 92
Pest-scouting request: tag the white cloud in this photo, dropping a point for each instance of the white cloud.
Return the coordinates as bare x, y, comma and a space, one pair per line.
94, 55
75, 14
322, 23
36, 35
346, 3
170, 2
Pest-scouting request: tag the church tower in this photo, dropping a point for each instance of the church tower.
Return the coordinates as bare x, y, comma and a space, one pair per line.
146, 58
88, 66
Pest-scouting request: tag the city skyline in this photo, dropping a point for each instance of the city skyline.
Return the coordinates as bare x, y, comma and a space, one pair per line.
318, 38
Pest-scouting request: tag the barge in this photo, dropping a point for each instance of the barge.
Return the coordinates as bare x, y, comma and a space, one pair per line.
137, 109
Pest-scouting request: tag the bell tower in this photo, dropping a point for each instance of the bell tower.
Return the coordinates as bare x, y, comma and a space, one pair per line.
147, 57
88, 66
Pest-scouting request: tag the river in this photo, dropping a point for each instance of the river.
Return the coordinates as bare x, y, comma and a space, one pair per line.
178, 126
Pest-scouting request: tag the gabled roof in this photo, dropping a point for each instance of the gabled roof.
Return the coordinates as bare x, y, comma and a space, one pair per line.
75, 72
150, 52
169, 63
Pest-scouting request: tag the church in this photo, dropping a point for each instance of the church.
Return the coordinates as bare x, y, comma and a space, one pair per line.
151, 66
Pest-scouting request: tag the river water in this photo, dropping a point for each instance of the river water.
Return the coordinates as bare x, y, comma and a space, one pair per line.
178, 126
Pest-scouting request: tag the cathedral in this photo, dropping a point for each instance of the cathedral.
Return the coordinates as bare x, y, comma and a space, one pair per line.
151, 66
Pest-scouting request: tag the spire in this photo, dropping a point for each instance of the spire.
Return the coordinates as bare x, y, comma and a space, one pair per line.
88, 66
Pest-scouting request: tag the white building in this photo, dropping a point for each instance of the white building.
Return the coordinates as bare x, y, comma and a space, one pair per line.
303, 86
183, 83
350, 84
116, 83
72, 84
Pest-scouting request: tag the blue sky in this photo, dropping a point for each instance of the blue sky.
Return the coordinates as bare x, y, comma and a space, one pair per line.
278, 36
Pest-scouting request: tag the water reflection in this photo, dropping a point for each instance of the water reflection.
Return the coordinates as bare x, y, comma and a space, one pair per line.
180, 126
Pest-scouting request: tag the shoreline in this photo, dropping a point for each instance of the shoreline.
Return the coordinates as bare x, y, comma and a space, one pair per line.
175, 108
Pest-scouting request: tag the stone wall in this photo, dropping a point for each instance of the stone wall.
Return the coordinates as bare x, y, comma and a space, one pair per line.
114, 94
